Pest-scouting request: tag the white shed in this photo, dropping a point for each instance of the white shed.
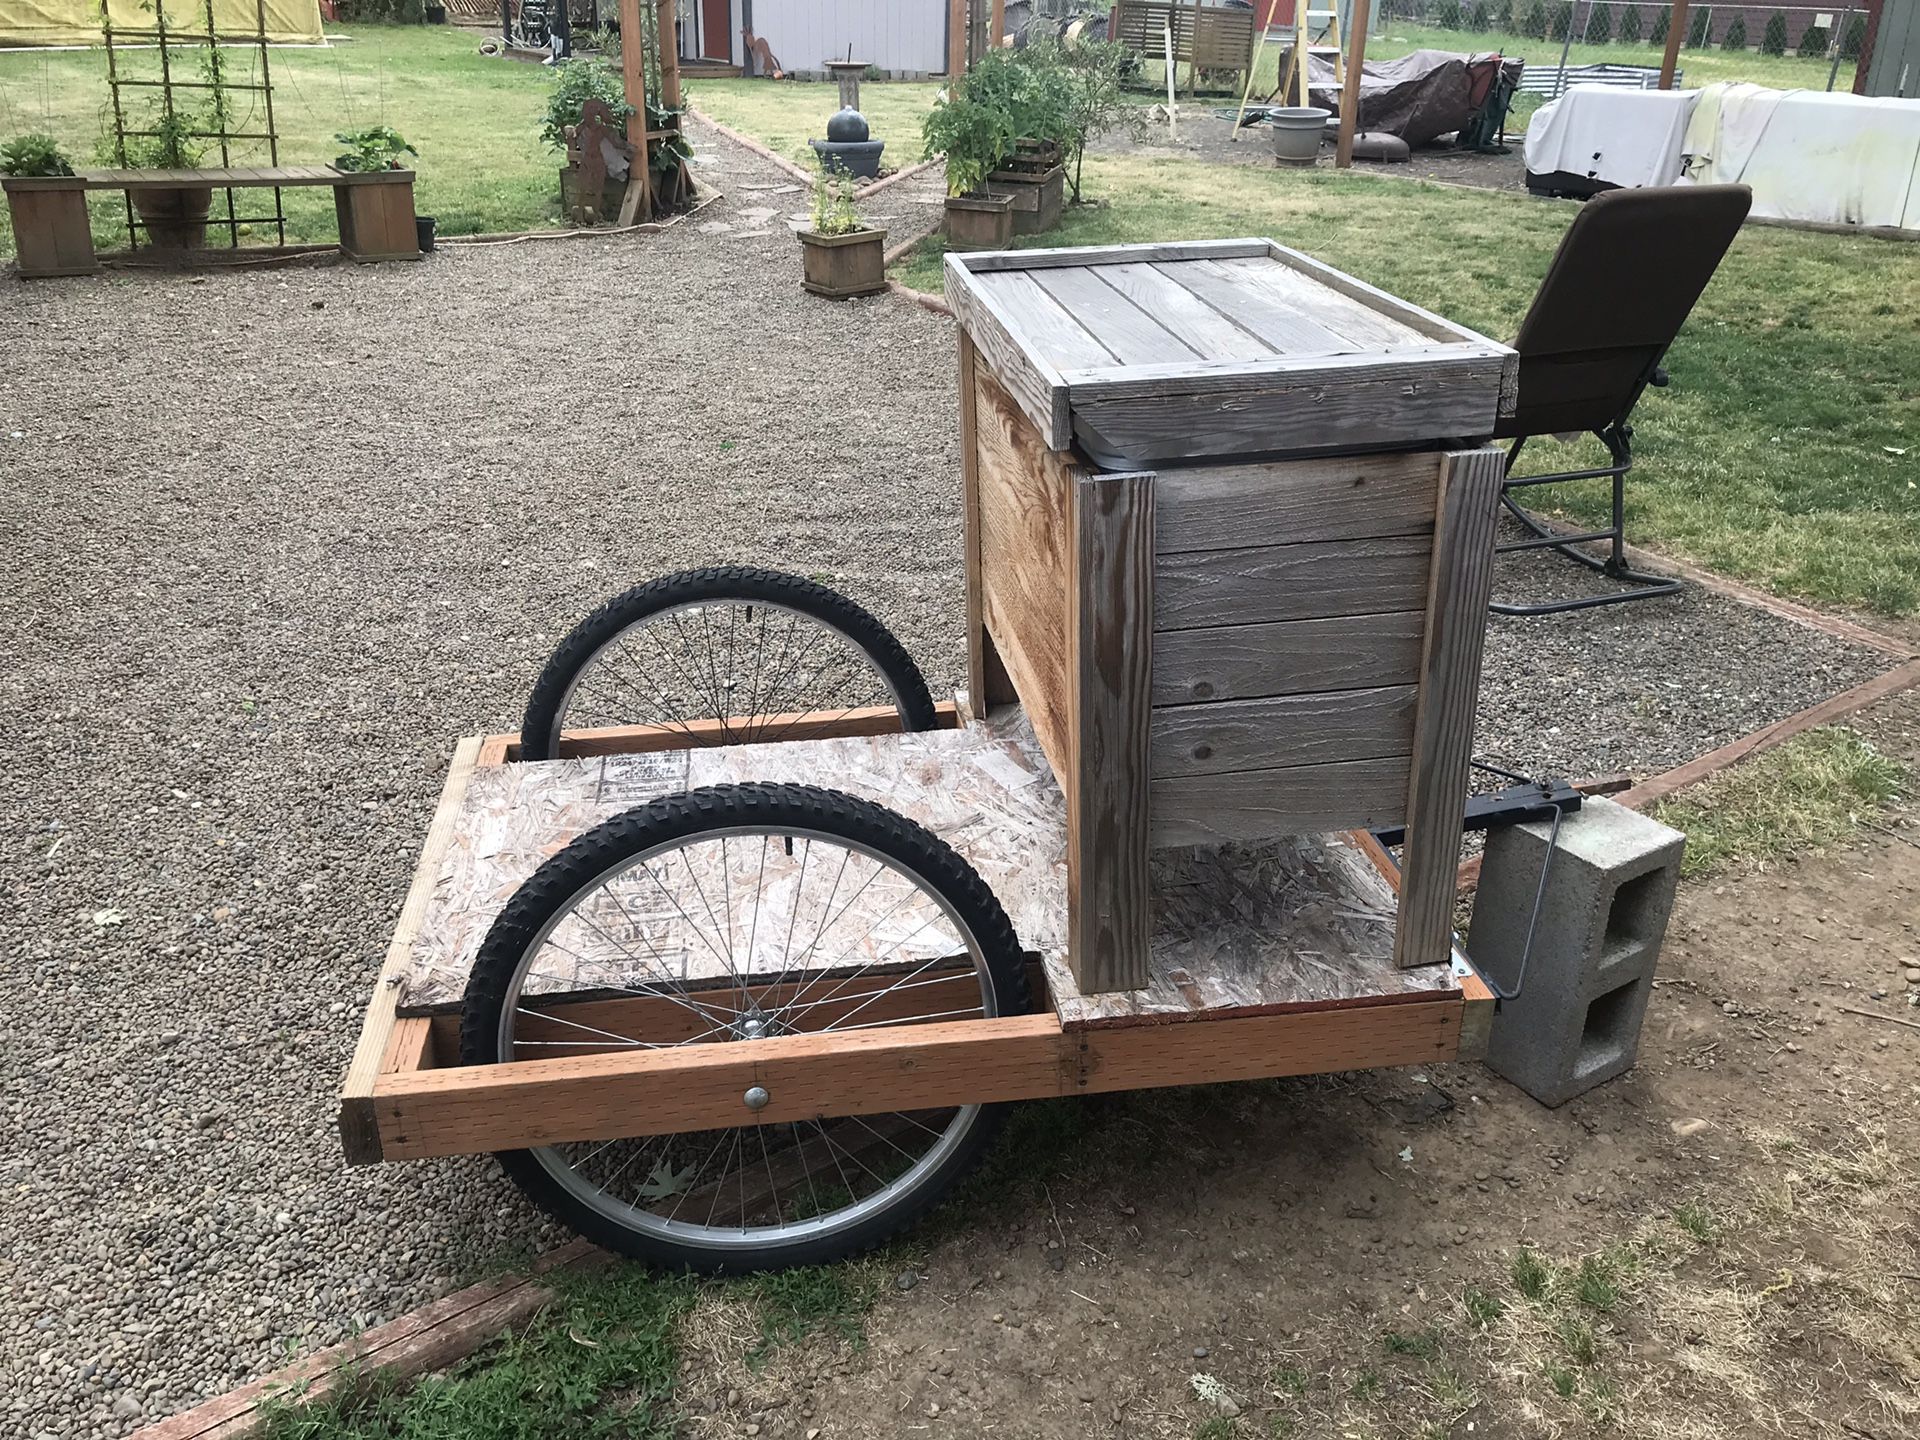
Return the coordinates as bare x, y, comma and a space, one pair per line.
905, 38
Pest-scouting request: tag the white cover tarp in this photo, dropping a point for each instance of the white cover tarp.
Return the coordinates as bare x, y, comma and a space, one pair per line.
1831, 158
1625, 137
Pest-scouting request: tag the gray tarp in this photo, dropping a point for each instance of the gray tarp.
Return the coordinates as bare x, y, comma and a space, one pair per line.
1417, 97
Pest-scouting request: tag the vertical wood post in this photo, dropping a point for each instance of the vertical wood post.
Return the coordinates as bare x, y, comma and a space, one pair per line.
633, 78
1109, 665
988, 683
1458, 588
997, 24
669, 33
1350, 91
956, 40
1676, 34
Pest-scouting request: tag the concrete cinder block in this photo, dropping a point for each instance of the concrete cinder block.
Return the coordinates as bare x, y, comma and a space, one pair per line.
1609, 894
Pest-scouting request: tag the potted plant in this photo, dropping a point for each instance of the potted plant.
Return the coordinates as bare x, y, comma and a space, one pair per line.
975, 137
376, 147
1031, 87
842, 254
34, 157
174, 218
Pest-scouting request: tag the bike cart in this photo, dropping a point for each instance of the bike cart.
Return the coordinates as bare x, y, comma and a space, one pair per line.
734, 952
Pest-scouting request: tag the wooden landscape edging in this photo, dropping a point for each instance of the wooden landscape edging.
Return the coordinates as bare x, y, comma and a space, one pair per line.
782, 162
430, 1338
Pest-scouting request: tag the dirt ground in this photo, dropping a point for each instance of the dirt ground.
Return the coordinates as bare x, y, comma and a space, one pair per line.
1401, 1253
1207, 136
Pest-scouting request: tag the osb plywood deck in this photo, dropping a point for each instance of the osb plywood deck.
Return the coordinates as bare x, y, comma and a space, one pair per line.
1291, 924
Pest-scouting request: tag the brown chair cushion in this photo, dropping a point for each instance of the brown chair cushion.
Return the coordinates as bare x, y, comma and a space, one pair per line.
1623, 282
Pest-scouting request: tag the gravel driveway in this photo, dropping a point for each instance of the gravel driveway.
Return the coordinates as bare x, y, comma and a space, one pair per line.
275, 539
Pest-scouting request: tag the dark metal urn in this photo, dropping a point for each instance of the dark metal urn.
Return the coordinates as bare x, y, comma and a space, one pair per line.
848, 147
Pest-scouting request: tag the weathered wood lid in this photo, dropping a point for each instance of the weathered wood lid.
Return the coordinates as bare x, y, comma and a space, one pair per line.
1143, 354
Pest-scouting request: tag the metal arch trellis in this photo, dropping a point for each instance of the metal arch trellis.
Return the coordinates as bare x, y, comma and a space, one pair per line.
166, 41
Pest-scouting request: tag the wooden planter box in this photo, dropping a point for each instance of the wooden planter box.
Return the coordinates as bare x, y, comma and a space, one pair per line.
574, 196
843, 266
51, 235
1226, 548
1038, 197
979, 222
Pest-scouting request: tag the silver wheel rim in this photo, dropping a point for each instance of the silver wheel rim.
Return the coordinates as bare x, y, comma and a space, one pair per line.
750, 1145
707, 681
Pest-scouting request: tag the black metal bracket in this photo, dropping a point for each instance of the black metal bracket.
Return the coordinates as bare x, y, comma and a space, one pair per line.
1516, 805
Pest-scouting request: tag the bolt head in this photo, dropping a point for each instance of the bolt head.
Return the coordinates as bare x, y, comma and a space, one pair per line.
757, 1098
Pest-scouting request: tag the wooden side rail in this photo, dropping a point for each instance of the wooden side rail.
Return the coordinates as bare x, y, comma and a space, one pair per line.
52, 235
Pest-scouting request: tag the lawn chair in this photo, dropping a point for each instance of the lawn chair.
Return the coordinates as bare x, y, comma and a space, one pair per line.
1627, 273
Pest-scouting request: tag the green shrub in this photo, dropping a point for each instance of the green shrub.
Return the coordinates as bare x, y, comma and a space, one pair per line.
1736, 36
1629, 31
1853, 39
574, 84
1503, 17
34, 155
1534, 26
1479, 18
1560, 20
1774, 40
1698, 32
1813, 42
376, 147
1662, 19
1599, 27
1447, 17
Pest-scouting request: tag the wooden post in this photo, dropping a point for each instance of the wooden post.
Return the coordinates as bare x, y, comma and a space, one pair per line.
1458, 588
669, 56
1350, 92
997, 25
1193, 53
633, 75
956, 41
1109, 668
1676, 34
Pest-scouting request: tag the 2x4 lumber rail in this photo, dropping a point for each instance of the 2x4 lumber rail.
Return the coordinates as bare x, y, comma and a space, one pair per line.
1458, 588
698, 1087
359, 1134
1110, 665
1350, 91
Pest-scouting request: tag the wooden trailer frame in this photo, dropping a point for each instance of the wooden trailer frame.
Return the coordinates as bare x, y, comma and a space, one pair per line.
406, 1096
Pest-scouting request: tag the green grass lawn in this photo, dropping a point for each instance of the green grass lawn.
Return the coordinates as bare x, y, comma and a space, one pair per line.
475, 121
784, 114
1775, 454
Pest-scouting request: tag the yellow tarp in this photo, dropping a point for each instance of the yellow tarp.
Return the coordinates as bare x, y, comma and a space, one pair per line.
77, 22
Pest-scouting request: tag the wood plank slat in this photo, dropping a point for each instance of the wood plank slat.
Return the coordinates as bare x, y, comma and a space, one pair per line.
1351, 497
1034, 384
1312, 580
1141, 254
1041, 322
1110, 666
1281, 325
1211, 335
1245, 805
1288, 657
1132, 335
1458, 590
1026, 540
474, 1109
359, 1134
1363, 325
1297, 405
1307, 729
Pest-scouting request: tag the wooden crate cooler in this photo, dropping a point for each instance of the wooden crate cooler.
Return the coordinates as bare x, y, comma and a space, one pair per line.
1230, 544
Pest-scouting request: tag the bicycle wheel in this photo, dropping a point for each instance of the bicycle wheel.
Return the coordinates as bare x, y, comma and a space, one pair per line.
729, 655
728, 916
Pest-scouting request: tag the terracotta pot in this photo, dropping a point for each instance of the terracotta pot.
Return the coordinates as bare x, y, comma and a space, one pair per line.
843, 266
175, 219
979, 222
